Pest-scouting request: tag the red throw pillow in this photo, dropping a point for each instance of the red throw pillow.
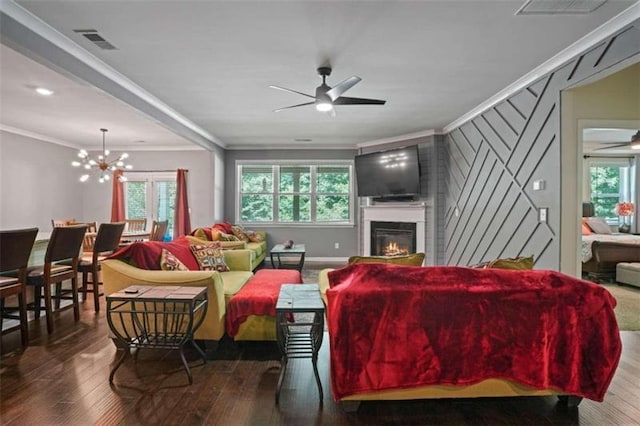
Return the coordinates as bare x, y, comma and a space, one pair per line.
225, 227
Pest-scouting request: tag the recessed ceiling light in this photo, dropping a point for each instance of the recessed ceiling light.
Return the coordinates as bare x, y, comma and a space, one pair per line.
44, 91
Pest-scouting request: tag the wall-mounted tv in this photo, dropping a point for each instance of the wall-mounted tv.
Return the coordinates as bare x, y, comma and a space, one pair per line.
390, 173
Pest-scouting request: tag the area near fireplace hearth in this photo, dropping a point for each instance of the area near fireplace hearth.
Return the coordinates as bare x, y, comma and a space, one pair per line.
397, 229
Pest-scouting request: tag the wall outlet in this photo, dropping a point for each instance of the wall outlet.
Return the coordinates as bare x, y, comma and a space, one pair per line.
336, 245
542, 214
538, 185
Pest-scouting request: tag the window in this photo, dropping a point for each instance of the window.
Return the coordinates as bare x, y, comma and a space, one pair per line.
151, 197
295, 193
610, 183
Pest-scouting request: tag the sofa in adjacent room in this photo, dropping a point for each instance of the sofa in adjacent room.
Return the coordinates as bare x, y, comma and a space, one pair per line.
236, 237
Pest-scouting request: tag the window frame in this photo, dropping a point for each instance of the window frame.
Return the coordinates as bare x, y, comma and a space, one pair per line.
313, 165
627, 189
150, 179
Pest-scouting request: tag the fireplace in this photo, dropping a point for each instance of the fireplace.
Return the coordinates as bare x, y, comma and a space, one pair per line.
395, 228
393, 238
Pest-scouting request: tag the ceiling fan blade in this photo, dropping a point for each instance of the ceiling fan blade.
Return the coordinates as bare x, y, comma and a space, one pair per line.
611, 146
343, 100
284, 89
293, 106
342, 87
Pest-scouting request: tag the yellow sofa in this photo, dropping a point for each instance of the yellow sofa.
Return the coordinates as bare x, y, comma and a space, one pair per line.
258, 250
117, 275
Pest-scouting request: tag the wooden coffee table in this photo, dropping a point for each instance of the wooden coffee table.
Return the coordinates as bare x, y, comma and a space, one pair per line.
297, 252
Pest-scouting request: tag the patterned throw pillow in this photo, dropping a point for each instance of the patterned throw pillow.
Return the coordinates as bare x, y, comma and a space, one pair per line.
168, 262
202, 234
240, 232
210, 257
254, 237
227, 237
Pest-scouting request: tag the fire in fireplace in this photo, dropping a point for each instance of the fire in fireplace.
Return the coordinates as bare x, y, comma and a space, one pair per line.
393, 238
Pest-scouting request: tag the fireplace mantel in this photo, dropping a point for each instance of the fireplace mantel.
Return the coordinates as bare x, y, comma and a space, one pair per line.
412, 213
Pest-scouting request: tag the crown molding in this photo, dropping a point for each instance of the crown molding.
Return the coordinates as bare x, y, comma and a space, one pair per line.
47, 32
131, 148
399, 138
37, 136
290, 147
615, 24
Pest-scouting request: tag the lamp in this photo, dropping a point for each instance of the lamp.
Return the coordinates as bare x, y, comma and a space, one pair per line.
635, 140
624, 209
102, 164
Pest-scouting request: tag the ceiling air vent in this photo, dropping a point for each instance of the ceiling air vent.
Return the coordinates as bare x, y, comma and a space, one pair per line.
95, 38
559, 7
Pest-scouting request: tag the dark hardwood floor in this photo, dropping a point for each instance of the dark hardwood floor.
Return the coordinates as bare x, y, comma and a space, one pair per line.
63, 379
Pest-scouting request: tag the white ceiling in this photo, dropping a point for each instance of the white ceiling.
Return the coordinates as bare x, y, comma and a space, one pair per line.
212, 63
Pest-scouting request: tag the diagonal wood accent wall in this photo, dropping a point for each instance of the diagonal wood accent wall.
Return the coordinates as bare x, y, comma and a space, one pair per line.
492, 161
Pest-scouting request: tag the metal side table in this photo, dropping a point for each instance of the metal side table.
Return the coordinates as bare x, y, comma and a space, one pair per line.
156, 317
299, 339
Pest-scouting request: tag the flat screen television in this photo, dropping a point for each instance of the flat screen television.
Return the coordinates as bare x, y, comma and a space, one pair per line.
388, 174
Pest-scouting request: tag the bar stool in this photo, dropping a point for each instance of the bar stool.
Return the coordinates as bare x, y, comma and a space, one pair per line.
106, 241
64, 244
15, 249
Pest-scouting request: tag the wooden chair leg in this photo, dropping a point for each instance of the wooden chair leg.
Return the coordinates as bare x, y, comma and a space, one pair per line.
96, 288
85, 283
37, 300
47, 305
24, 325
58, 295
74, 295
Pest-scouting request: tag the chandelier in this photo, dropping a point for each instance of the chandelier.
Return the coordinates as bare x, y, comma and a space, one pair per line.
102, 165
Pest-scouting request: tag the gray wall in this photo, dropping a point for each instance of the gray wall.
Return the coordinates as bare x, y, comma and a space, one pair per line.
432, 156
37, 183
319, 241
493, 159
200, 184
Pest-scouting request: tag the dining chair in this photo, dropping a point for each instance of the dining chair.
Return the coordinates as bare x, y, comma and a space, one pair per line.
57, 223
135, 225
106, 242
15, 248
158, 229
64, 245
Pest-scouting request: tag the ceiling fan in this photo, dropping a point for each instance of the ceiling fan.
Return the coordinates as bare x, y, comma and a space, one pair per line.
326, 97
634, 143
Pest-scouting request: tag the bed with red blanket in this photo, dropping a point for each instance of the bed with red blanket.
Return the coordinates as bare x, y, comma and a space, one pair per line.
399, 332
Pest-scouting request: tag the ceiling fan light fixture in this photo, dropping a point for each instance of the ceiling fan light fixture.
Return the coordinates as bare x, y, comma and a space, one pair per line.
324, 106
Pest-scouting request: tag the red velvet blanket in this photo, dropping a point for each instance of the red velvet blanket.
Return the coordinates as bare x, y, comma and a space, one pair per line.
258, 296
146, 254
396, 327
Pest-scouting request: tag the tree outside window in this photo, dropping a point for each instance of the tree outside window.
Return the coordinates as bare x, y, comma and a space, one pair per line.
610, 184
302, 193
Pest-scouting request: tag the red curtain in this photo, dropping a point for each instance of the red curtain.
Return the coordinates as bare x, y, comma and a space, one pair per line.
182, 220
117, 199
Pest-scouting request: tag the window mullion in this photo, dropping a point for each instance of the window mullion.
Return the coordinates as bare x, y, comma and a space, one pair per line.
276, 193
313, 194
